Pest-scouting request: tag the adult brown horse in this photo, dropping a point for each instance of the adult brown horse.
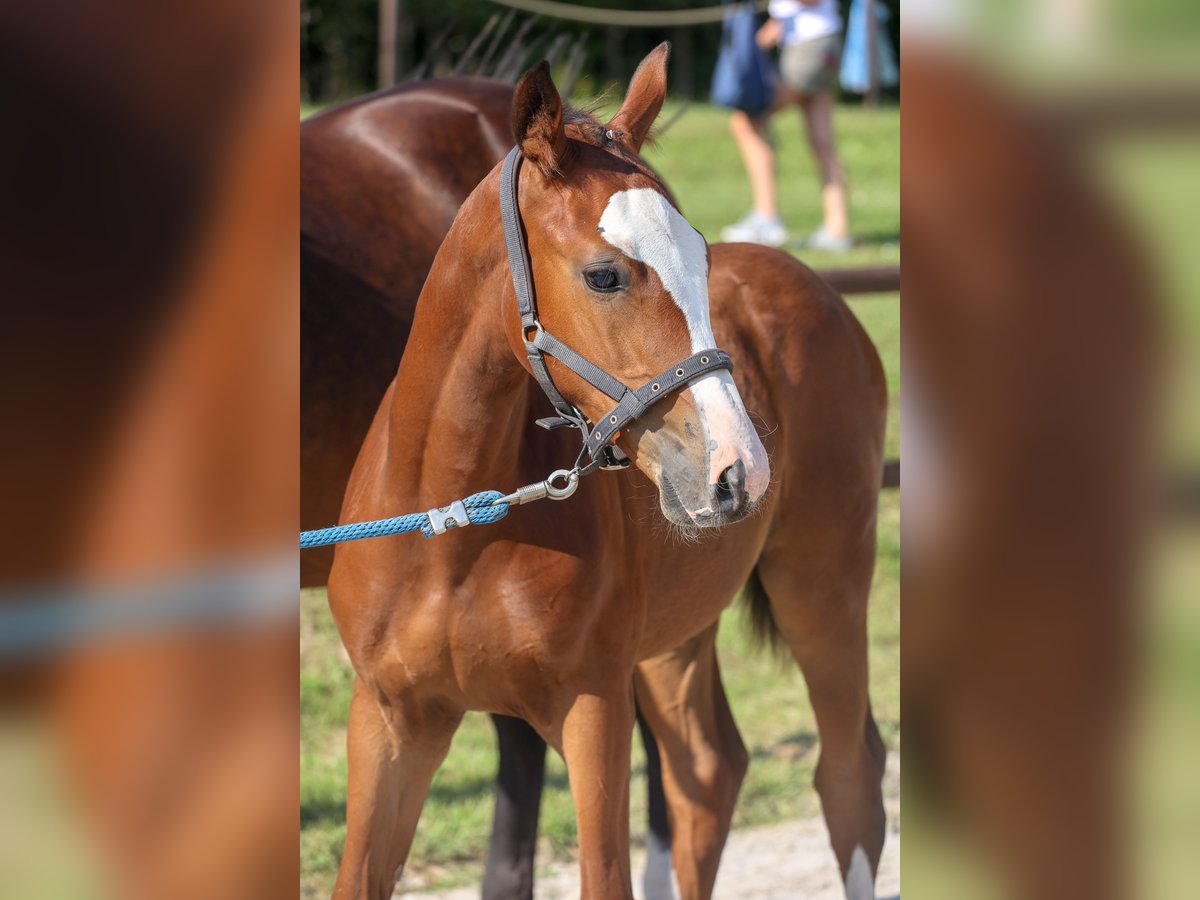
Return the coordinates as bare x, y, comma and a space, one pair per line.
381, 180
547, 614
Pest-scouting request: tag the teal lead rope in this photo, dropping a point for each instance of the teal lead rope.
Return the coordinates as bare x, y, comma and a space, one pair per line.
482, 509
478, 509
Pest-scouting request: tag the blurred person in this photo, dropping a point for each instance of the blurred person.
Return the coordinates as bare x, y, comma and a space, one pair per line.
809, 33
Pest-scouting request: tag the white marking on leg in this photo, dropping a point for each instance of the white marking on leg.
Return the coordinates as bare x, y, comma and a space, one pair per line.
860, 883
658, 879
643, 225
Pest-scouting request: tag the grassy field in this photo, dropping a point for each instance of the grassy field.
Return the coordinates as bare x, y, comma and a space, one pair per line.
699, 160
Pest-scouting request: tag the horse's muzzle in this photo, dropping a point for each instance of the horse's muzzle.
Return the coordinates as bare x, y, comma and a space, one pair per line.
723, 503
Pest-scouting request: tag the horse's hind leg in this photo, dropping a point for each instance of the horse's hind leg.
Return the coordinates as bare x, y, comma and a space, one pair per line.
822, 616
509, 871
394, 748
703, 757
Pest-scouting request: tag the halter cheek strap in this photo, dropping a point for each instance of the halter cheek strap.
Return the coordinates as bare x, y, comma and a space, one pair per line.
631, 403
518, 262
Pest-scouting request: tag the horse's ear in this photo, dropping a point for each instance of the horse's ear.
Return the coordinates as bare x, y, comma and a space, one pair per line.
644, 99
537, 119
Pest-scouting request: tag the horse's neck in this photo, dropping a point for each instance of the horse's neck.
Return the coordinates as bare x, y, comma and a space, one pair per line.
460, 400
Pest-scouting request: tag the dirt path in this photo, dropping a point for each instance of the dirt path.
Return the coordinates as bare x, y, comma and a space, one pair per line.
771, 862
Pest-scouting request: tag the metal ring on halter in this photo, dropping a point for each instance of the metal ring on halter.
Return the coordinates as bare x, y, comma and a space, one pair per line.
571, 479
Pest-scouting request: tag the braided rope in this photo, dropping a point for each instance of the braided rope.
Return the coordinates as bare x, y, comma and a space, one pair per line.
482, 509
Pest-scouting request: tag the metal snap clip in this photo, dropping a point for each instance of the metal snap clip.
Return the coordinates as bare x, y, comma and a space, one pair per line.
540, 490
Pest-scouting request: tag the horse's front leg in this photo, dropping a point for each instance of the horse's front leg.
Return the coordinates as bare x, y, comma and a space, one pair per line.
596, 734
394, 747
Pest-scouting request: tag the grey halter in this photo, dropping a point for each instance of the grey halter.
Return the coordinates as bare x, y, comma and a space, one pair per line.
631, 403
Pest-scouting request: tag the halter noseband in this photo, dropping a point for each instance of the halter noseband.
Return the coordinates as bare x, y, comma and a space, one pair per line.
631, 403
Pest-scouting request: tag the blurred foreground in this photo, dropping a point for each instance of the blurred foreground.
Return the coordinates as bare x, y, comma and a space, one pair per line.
150, 347
1050, 451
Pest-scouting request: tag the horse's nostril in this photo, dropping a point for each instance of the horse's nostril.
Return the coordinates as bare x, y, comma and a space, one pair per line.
723, 488
731, 488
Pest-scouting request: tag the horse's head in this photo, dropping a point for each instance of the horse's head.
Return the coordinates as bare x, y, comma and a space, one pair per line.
622, 278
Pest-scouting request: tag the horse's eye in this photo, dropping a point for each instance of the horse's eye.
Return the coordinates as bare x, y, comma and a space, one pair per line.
604, 280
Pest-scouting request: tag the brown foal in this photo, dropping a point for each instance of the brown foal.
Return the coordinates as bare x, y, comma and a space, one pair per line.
557, 612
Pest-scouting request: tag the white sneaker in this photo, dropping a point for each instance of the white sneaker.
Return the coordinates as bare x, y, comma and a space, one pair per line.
823, 240
756, 228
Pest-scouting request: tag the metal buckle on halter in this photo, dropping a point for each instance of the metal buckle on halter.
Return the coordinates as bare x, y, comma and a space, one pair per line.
614, 459
446, 517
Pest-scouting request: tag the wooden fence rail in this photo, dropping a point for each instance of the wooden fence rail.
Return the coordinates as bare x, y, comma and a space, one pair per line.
865, 280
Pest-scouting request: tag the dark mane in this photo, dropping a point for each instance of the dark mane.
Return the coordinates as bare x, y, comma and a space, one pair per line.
587, 126
582, 115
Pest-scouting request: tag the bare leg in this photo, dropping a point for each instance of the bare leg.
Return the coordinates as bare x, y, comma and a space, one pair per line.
511, 850
596, 735
704, 759
818, 119
393, 751
827, 632
759, 159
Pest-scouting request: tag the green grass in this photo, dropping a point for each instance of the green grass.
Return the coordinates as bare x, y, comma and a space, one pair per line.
698, 158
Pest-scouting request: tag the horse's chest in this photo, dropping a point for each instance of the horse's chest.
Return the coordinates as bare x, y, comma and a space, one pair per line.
686, 588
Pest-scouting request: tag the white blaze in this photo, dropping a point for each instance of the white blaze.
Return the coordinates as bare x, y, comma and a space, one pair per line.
643, 225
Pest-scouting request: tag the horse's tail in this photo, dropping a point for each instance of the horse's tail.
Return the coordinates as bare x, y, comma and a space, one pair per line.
762, 620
